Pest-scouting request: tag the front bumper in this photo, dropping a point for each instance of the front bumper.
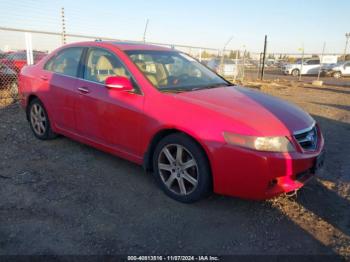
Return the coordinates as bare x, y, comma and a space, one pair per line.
327, 72
261, 175
287, 71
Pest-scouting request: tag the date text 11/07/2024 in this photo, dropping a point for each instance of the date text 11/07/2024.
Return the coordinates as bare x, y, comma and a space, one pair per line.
173, 258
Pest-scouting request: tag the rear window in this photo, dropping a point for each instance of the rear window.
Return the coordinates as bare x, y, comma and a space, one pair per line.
66, 62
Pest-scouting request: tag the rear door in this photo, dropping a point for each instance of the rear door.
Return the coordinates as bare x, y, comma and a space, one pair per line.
61, 74
311, 67
107, 116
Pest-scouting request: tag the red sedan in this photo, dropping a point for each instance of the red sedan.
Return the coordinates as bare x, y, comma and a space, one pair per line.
17, 60
161, 108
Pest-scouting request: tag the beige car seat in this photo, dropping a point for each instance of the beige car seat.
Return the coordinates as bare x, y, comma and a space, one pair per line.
104, 69
151, 77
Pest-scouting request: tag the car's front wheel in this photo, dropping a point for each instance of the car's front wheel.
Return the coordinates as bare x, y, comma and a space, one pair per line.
337, 74
39, 120
181, 168
295, 72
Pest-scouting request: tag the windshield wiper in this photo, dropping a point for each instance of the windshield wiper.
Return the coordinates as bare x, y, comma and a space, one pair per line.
211, 86
174, 90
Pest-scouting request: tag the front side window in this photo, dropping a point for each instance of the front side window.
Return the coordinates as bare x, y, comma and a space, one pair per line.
66, 62
17, 56
101, 64
174, 71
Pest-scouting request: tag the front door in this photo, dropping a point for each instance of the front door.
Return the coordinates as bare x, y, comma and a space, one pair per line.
108, 116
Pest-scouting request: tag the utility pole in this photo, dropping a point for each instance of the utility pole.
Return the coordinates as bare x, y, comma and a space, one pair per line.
243, 69
236, 67
302, 62
347, 35
63, 27
259, 65
321, 58
264, 57
223, 55
144, 33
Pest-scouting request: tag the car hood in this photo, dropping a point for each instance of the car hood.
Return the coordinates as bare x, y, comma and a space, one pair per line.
250, 112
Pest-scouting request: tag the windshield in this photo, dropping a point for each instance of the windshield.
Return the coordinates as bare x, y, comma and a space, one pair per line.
174, 71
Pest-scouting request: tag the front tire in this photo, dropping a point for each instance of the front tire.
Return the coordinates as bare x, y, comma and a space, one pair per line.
337, 75
39, 120
295, 72
181, 168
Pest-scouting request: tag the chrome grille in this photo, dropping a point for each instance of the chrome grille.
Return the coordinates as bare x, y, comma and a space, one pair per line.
307, 138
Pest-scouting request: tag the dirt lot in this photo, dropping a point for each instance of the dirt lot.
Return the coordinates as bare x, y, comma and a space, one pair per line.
62, 197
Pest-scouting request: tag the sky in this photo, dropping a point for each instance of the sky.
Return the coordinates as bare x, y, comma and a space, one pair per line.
289, 24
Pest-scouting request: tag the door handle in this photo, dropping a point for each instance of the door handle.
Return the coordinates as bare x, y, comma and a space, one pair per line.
83, 90
45, 78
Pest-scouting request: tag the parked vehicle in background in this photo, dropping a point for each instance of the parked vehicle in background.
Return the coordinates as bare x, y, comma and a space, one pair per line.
229, 67
337, 70
310, 66
8, 77
17, 60
270, 62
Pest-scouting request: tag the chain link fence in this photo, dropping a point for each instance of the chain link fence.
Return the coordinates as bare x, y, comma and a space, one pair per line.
21, 47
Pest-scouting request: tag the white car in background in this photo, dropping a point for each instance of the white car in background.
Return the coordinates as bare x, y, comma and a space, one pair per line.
339, 70
229, 67
310, 66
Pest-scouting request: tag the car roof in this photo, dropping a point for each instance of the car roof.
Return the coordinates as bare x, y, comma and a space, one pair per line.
124, 45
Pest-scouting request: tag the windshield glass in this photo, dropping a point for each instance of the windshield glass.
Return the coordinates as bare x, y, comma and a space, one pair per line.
174, 71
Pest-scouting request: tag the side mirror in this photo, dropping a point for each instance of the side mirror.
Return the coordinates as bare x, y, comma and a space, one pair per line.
119, 83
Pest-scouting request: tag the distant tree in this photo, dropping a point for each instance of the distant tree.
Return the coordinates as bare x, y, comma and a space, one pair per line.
234, 54
231, 55
206, 55
271, 56
291, 59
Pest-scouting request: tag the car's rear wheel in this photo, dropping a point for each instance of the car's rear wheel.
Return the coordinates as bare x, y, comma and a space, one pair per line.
295, 72
181, 168
39, 120
337, 74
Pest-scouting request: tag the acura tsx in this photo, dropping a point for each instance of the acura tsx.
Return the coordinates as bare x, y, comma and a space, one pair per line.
162, 109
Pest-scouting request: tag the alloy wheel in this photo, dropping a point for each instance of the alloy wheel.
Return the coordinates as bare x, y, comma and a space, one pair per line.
337, 75
178, 169
295, 72
38, 119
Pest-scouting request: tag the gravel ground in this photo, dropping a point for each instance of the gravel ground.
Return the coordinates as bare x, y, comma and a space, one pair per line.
62, 197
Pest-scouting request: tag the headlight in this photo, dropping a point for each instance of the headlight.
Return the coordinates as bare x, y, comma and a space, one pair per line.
264, 143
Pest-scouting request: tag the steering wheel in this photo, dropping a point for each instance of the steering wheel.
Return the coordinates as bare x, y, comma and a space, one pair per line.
175, 80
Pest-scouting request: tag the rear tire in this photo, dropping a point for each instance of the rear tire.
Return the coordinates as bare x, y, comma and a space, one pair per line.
181, 168
295, 72
39, 120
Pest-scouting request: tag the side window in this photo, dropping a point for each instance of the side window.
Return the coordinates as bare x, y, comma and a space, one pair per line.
65, 62
101, 64
313, 62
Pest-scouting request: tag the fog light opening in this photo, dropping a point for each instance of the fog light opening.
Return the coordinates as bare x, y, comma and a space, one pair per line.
291, 193
272, 183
